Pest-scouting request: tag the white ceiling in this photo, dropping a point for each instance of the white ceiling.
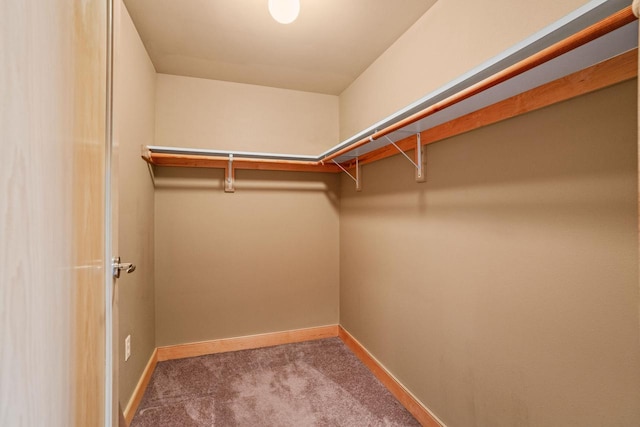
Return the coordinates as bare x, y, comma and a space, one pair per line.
330, 44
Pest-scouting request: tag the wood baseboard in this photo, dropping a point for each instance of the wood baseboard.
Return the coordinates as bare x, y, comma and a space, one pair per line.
132, 406
245, 343
424, 416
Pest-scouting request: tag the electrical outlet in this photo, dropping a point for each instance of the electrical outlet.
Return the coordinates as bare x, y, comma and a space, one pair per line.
127, 348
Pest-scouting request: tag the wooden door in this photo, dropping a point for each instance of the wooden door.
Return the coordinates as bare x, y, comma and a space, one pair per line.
53, 268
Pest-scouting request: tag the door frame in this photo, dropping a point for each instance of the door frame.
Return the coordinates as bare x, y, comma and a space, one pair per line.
111, 410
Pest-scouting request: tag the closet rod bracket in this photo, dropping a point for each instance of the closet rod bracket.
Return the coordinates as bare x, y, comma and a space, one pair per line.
146, 154
230, 176
356, 178
419, 160
421, 172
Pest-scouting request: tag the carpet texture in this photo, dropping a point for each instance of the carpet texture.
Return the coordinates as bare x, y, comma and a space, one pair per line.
314, 383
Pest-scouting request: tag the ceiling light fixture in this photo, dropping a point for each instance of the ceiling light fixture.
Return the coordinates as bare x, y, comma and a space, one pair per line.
284, 11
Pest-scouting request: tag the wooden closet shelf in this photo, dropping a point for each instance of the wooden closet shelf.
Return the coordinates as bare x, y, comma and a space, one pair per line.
205, 161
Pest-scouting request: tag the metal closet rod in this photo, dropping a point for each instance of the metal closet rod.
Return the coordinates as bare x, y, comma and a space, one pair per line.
613, 22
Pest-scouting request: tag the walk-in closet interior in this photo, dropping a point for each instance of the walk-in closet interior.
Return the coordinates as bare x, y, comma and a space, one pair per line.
443, 192
501, 289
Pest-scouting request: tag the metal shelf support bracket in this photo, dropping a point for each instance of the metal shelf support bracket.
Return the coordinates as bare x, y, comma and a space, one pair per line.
356, 178
230, 176
421, 172
419, 162
146, 154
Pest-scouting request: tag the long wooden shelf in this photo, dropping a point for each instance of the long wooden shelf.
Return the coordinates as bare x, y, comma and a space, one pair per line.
601, 75
202, 161
613, 71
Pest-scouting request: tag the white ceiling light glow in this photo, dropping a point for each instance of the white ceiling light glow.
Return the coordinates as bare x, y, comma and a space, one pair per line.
284, 11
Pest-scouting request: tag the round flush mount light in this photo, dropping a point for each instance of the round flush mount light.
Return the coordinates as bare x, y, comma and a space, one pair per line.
284, 11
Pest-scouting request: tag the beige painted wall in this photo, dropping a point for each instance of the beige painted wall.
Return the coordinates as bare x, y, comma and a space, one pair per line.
453, 37
134, 111
504, 291
52, 145
262, 259
212, 114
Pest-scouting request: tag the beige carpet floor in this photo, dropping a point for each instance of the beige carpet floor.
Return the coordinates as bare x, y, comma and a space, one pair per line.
315, 383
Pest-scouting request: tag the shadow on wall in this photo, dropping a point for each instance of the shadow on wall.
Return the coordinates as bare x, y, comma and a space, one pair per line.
247, 180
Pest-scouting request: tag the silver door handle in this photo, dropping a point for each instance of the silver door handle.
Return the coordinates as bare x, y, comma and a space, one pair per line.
117, 266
